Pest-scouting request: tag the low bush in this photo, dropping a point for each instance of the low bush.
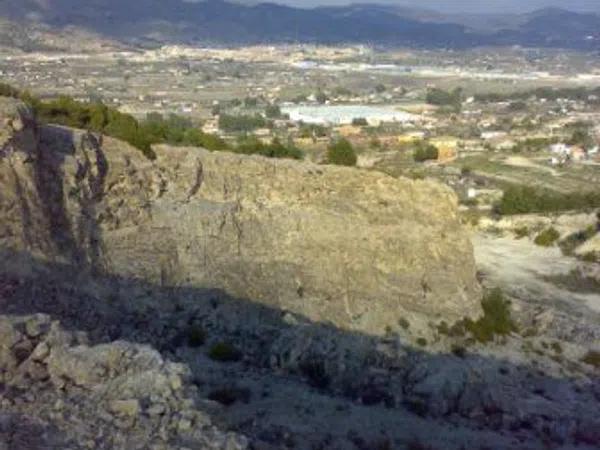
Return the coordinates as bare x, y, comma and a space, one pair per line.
316, 373
424, 151
528, 199
591, 257
496, 318
556, 347
571, 242
341, 153
521, 232
224, 352
360, 122
459, 351
156, 129
195, 336
592, 358
242, 123
405, 324
547, 238
229, 395
250, 145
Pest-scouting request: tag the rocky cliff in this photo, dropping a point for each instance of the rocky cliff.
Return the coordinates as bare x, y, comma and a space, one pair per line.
355, 248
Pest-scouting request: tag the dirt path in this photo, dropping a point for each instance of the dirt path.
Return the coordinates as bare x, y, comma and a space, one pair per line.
520, 161
522, 268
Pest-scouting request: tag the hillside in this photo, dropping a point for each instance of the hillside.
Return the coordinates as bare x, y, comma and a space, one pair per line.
154, 22
222, 301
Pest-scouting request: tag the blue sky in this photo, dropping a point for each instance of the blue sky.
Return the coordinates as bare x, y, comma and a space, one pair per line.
472, 6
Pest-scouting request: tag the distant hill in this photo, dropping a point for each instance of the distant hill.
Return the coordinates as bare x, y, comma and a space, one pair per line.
155, 22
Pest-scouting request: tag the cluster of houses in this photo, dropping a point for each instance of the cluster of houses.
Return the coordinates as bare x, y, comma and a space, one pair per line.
564, 153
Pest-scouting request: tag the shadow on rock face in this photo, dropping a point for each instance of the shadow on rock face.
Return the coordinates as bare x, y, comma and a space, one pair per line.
472, 391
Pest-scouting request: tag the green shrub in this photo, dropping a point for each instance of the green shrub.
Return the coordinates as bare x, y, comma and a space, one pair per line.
556, 347
496, 318
196, 336
591, 257
422, 342
443, 328
574, 240
312, 131
7, 90
547, 238
459, 351
360, 122
242, 123
404, 323
229, 395
341, 153
527, 199
440, 97
592, 358
251, 145
224, 352
316, 372
521, 232
424, 151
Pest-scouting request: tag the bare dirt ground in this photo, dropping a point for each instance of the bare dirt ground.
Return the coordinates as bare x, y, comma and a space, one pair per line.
523, 269
520, 161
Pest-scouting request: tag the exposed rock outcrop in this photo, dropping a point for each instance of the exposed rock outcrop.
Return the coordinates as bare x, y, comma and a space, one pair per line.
356, 248
117, 396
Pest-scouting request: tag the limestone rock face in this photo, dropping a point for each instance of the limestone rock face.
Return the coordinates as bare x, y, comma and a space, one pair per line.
356, 248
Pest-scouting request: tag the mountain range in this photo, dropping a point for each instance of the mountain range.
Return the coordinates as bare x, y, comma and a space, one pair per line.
219, 22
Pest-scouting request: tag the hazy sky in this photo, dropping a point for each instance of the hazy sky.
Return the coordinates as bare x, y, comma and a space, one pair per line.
474, 6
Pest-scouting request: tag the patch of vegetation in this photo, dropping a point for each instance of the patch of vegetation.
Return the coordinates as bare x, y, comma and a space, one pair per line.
97, 117
316, 372
341, 153
229, 395
224, 352
176, 130
575, 281
591, 257
521, 232
416, 444
546, 93
571, 242
242, 123
547, 238
196, 336
443, 328
360, 122
273, 112
417, 405
439, 97
7, 90
592, 358
312, 131
456, 330
528, 199
459, 351
405, 324
496, 318
422, 342
556, 347
424, 151
251, 145
532, 145
156, 129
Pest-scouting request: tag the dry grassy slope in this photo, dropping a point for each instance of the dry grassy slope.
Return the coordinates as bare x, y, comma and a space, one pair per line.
356, 248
